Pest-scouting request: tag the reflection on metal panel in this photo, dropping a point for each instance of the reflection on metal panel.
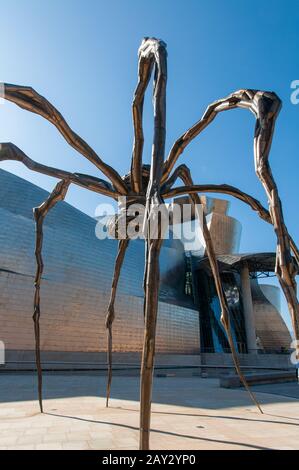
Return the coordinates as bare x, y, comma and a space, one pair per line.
225, 232
271, 329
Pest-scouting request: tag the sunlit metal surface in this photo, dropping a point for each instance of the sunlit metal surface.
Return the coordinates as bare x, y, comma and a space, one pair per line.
76, 282
271, 329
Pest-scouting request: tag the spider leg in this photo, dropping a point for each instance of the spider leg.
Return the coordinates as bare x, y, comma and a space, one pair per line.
58, 194
122, 246
265, 106
268, 107
146, 247
249, 200
184, 140
183, 172
28, 99
151, 300
9, 151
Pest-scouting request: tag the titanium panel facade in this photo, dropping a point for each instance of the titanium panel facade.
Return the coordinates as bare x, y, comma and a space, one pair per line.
77, 279
270, 326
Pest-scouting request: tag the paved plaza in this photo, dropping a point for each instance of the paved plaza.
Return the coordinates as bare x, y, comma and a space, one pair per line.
188, 413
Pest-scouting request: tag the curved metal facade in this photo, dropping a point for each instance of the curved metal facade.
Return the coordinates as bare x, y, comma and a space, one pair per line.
225, 233
76, 282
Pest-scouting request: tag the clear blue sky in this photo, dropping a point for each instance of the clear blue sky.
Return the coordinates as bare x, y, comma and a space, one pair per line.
82, 55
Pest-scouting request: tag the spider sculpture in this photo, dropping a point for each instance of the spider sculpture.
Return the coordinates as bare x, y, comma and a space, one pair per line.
152, 185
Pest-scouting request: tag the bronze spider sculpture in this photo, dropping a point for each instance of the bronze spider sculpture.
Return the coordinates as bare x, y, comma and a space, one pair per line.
152, 185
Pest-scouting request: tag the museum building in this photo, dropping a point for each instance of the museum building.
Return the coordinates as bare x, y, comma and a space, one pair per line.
78, 270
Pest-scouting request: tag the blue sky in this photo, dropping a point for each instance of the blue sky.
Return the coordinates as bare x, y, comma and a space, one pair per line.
82, 55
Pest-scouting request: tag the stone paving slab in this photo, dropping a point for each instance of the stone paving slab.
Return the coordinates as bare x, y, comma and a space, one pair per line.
188, 413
